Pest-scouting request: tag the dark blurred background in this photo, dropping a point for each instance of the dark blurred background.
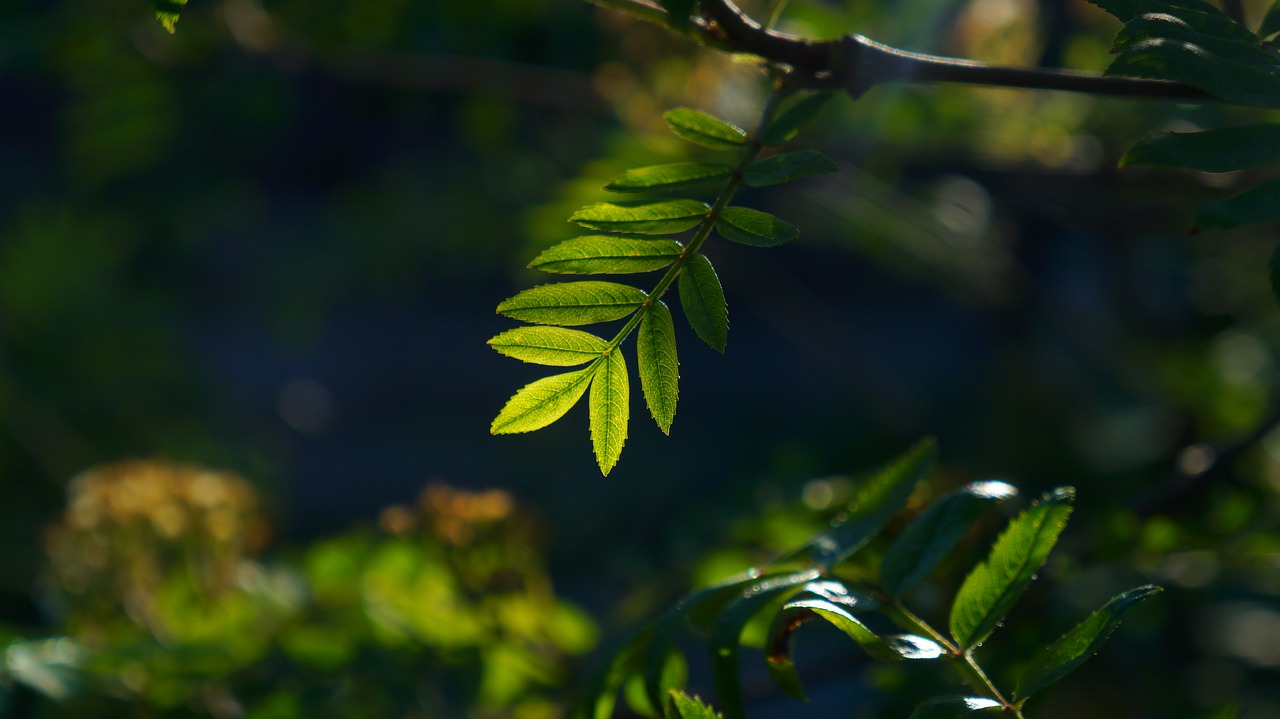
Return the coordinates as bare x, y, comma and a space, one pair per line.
273, 242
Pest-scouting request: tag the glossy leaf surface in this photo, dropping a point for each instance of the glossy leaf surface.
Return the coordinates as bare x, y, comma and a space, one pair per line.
794, 117
607, 255
1224, 150
1168, 59
956, 708
702, 299
670, 178
1076, 646
927, 540
540, 403
704, 129
755, 228
995, 585
643, 218
658, 366
787, 167
573, 303
610, 406
555, 346
1210, 32
1260, 203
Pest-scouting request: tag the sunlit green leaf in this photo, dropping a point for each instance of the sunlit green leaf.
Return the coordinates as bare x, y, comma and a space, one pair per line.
935, 533
794, 117
955, 708
540, 403
1076, 646
753, 227
554, 346
645, 218
704, 129
1260, 203
844, 620
683, 706
702, 299
1181, 61
670, 178
659, 369
573, 303
610, 405
1223, 150
995, 585
787, 167
608, 255
167, 12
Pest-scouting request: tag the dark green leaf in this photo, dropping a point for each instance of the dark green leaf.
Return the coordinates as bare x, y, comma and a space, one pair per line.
845, 621
1214, 32
554, 346
1230, 710
683, 706
610, 406
1270, 22
644, 218
540, 403
1260, 203
794, 117
753, 227
608, 255
601, 695
935, 533
1181, 61
1223, 150
787, 167
658, 366
1076, 646
573, 303
1127, 10
726, 635
994, 586
1274, 268
670, 178
702, 299
672, 675
167, 12
680, 11
956, 708
704, 129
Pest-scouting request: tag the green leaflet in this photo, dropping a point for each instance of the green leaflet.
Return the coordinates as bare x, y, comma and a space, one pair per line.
1166, 59
683, 706
1222, 150
610, 403
673, 674
1213, 32
794, 117
755, 228
573, 303
702, 299
1260, 203
644, 218
1126, 10
602, 694
787, 167
670, 178
1270, 22
994, 586
843, 619
1076, 646
658, 366
955, 708
554, 346
705, 129
935, 533
167, 12
540, 403
608, 255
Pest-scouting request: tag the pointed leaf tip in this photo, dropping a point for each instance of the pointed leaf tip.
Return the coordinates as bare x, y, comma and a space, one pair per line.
610, 403
540, 403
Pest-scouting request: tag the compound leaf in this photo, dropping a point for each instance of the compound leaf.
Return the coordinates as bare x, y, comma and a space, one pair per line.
1260, 203
573, 303
704, 129
540, 403
787, 167
658, 366
669, 178
608, 255
702, 299
994, 586
955, 708
683, 706
168, 12
753, 227
645, 218
1076, 646
610, 404
1222, 150
796, 116
935, 533
554, 346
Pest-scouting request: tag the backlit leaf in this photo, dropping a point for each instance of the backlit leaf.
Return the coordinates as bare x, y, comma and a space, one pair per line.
554, 346
753, 227
670, 178
935, 533
540, 403
168, 12
645, 218
684, 706
1223, 150
610, 405
659, 369
995, 585
702, 299
794, 117
956, 708
608, 255
1076, 646
787, 167
1260, 203
704, 129
573, 303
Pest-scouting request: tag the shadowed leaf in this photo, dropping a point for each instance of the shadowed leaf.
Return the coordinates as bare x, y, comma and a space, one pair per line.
787, 167
753, 227
1260, 203
702, 299
794, 117
1224, 150
704, 129
955, 708
1181, 61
